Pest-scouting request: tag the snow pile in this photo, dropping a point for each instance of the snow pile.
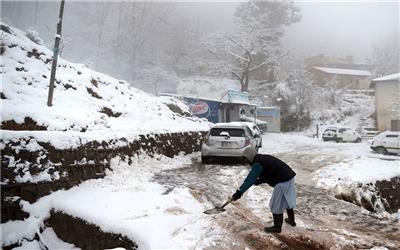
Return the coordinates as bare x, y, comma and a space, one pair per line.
363, 170
145, 212
84, 100
354, 180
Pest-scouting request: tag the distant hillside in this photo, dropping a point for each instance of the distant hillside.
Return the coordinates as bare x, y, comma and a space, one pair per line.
84, 100
325, 106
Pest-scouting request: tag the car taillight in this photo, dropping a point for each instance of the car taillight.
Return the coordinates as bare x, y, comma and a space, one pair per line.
206, 139
247, 141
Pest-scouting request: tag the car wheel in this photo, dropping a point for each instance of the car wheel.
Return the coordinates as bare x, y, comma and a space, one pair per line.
358, 140
339, 140
205, 159
381, 150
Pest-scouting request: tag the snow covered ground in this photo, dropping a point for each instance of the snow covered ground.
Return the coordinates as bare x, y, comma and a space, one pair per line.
358, 164
158, 213
126, 202
87, 105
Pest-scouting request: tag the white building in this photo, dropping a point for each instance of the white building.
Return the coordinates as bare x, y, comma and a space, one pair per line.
387, 102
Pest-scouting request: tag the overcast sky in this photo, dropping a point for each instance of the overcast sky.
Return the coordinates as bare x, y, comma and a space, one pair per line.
337, 28
343, 28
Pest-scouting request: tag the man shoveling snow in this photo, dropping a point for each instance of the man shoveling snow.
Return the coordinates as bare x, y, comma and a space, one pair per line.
269, 169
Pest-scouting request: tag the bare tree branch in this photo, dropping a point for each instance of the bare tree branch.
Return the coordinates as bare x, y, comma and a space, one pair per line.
236, 75
258, 66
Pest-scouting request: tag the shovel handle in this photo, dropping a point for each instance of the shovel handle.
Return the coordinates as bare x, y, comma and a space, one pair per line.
226, 203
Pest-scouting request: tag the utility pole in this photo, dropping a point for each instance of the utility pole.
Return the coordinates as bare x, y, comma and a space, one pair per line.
55, 56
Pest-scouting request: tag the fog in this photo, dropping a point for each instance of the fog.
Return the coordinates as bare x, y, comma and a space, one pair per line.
332, 28
336, 28
343, 28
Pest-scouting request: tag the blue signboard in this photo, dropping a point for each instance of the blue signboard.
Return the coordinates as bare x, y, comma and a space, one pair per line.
203, 108
268, 112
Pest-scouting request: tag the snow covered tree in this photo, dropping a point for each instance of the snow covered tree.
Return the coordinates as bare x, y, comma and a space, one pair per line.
386, 58
256, 42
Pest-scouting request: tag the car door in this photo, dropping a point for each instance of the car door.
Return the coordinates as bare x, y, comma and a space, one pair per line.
253, 139
257, 135
349, 135
392, 143
343, 134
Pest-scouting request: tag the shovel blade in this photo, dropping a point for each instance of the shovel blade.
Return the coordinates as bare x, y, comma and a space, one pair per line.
215, 210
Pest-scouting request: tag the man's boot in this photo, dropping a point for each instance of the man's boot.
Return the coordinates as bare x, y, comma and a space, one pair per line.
290, 219
277, 227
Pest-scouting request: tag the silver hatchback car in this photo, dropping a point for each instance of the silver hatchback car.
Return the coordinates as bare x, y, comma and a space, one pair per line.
227, 140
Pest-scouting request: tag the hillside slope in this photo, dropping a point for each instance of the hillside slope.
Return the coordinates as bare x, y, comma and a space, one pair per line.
85, 102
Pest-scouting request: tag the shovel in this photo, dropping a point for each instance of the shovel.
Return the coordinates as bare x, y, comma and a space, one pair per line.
218, 210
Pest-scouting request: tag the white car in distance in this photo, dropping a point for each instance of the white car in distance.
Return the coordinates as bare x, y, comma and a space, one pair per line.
387, 142
340, 134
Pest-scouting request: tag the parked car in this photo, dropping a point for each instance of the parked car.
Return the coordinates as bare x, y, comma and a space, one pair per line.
227, 140
387, 142
255, 130
367, 133
262, 125
340, 134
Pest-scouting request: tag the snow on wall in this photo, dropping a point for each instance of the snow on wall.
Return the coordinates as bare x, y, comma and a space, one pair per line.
84, 100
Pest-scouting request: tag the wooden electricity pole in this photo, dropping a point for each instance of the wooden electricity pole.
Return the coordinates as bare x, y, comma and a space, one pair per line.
55, 56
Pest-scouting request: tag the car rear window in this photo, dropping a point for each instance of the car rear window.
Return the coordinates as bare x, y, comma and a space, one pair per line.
233, 132
330, 130
393, 136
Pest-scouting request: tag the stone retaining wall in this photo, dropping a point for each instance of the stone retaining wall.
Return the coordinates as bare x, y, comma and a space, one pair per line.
70, 167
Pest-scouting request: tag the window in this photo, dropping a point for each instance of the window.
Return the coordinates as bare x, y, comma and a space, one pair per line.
233, 132
330, 130
395, 125
249, 131
392, 136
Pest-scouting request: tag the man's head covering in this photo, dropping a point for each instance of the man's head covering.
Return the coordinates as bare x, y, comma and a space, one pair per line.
249, 154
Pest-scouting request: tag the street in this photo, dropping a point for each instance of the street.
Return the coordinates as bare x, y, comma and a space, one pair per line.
323, 222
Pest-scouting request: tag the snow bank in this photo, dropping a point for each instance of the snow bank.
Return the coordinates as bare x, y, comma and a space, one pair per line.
84, 100
364, 170
126, 202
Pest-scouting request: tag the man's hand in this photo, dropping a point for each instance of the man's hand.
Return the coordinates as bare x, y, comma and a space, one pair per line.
258, 182
237, 195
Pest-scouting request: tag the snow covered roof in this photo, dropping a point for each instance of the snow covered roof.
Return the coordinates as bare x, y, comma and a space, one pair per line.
338, 71
392, 77
191, 97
